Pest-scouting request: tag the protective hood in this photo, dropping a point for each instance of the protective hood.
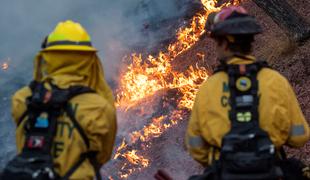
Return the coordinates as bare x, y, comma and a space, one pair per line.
68, 68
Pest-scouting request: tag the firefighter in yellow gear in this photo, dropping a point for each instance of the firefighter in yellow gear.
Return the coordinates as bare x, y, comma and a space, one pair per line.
68, 59
279, 112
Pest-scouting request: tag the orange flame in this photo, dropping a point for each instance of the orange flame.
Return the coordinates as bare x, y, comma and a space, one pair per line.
5, 66
121, 147
144, 77
133, 158
155, 129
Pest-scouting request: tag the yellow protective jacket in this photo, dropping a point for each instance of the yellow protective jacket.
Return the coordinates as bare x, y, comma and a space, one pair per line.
95, 112
279, 114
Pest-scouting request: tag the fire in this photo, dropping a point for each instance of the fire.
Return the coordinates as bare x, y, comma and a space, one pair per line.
136, 162
209, 5
155, 129
121, 147
146, 76
133, 158
5, 66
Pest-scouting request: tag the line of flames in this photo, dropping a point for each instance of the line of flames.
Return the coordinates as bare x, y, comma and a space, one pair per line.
144, 77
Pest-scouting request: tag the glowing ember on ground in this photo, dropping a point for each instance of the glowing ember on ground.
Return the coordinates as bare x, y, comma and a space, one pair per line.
133, 158
153, 130
145, 77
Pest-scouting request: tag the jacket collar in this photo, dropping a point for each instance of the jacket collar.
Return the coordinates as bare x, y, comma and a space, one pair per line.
239, 59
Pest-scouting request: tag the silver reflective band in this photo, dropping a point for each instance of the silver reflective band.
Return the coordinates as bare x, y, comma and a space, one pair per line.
298, 130
196, 142
79, 43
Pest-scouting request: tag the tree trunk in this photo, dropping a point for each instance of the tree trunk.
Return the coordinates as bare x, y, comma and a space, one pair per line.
287, 18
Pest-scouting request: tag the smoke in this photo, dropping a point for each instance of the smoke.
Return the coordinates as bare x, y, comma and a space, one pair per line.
135, 25
116, 27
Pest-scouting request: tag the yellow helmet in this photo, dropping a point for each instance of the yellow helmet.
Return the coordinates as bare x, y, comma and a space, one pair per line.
68, 35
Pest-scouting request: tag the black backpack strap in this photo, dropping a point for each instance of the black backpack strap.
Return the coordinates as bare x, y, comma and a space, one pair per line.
243, 100
76, 124
69, 173
247, 151
262, 64
21, 119
224, 66
78, 90
73, 92
58, 101
33, 85
249, 72
220, 68
283, 154
42, 120
91, 156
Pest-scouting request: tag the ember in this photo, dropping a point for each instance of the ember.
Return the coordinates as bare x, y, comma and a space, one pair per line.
5, 66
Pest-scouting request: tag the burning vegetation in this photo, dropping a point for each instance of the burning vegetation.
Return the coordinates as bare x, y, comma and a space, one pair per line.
145, 77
